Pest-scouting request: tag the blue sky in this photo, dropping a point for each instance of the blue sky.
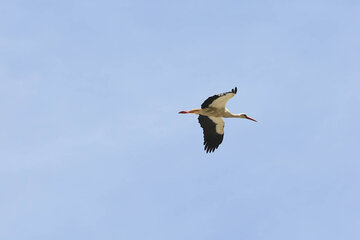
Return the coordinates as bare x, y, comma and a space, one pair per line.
92, 146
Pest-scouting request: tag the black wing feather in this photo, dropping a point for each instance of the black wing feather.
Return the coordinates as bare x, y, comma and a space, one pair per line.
208, 101
212, 139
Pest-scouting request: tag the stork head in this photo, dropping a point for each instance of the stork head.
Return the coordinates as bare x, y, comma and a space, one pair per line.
243, 115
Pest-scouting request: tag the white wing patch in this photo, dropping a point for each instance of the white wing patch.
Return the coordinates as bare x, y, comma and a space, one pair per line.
220, 102
219, 124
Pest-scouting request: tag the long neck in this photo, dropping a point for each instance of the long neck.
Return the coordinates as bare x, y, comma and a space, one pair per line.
231, 115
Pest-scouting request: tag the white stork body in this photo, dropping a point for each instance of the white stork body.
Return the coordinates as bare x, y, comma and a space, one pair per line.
210, 118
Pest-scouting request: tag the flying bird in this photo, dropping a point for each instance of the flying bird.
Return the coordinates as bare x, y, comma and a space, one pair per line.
210, 118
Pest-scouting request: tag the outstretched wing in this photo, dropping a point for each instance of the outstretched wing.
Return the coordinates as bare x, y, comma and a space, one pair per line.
213, 128
219, 100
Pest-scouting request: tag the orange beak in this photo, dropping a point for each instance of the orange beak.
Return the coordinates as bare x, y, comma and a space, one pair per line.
251, 119
183, 112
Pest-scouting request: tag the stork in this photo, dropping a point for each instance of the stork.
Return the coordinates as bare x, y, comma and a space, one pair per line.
210, 118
